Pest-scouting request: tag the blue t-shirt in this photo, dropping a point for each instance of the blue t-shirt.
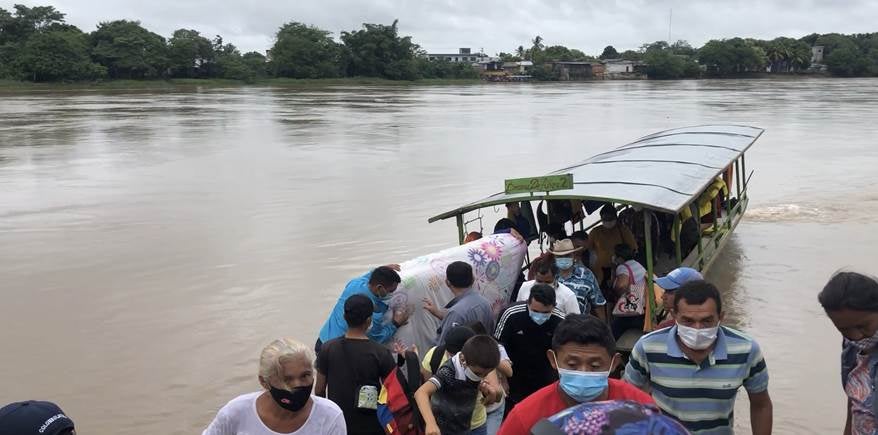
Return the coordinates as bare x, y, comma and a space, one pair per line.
335, 326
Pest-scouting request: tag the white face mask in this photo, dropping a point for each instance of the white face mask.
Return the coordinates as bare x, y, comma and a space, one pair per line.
472, 376
698, 339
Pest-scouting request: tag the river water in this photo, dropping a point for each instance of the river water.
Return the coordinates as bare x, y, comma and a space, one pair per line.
153, 242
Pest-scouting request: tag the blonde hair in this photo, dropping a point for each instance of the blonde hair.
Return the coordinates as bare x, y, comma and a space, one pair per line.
280, 351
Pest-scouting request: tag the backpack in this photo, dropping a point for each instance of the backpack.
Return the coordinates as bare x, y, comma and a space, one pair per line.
631, 303
436, 359
397, 410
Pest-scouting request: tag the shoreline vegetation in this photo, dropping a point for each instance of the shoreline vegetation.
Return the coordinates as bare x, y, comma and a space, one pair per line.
38, 50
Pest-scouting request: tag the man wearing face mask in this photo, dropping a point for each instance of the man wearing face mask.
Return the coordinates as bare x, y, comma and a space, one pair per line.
602, 243
525, 329
378, 285
285, 405
584, 353
578, 278
695, 368
546, 272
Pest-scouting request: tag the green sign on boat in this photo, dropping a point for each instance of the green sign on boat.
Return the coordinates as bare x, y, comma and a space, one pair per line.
548, 183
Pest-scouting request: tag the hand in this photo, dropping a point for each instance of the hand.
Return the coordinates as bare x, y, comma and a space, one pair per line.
393, 266
492, 394
432, 429
401, 317
428, 305
399, 347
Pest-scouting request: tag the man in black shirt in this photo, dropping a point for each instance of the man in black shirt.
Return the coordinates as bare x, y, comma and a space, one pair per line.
352, 367
525, 329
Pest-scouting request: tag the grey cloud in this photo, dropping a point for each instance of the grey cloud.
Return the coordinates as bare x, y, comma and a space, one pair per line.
495, 25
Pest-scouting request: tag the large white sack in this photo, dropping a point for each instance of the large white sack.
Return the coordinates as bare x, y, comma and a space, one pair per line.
496, 262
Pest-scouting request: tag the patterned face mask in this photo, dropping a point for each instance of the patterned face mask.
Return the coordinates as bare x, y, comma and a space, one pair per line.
867, 343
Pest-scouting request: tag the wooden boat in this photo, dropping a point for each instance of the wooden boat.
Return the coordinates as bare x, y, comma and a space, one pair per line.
663, 177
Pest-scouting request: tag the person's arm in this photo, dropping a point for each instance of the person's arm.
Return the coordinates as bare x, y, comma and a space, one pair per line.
320, 385
491, 388
847, 423
433, 309
637, 370
222, 424
505, 368
571, 305
512, 425
382, 332
629, 239
337, 426
422, 398
760, 413
620, 285
600, 311
756, 385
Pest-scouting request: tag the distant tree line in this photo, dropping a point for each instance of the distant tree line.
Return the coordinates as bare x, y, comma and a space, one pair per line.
36, 44
844, 55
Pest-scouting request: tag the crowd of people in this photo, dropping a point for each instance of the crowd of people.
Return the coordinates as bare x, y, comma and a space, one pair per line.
552, 348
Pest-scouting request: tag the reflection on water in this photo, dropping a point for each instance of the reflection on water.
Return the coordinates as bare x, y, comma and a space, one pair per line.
155, 241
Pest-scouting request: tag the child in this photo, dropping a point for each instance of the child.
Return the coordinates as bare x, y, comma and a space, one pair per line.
448, 401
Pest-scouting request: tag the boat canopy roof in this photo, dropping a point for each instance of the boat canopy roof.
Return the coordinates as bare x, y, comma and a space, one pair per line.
664, 171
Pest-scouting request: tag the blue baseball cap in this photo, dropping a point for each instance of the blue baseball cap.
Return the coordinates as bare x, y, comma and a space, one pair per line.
678, 277
33, 417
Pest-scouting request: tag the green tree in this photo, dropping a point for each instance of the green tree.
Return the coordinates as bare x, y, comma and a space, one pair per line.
58, 55
377, 50
732, 56
631, 55
683, 48
305, 52
256, 63
506, 57
190, 54
847, 62
520, 52
129, 51
16, 28
536, 47
609, 53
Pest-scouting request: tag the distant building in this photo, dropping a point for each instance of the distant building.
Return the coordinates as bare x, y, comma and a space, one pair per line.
817, 54
463, 55
573, 71
518, 68
624, 69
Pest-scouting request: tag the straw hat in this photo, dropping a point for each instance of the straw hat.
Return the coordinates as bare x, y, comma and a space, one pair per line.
564, 247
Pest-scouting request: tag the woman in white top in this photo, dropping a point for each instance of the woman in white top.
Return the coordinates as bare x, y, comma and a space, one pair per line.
285, 405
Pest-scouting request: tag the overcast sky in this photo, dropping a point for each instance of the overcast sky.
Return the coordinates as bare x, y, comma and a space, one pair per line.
495, 25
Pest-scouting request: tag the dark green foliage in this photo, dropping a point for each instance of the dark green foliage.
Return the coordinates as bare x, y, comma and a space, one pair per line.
129, 51
57, 55
190, 55
609, 53
732, 56
377, 50
305, 52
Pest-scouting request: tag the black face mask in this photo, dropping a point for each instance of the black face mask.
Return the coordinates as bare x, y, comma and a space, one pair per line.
291, 400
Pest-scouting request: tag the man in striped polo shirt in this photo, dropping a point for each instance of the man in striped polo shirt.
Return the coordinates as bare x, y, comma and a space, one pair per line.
695, 368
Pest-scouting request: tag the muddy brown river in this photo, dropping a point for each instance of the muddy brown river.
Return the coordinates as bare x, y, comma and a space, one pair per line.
152, 242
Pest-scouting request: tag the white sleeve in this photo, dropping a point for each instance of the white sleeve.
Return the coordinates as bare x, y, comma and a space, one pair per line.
222, 424
337, 426
571, 306
524, 291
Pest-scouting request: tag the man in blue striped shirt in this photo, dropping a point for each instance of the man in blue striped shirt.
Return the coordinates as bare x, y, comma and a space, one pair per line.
695, 368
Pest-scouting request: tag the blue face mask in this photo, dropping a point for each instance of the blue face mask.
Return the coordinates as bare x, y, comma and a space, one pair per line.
564, 263
539, 318
583, 386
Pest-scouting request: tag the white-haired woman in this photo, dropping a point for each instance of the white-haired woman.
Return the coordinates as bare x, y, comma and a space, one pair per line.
285, 405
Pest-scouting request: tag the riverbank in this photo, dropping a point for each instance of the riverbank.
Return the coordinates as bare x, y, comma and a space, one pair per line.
13, 85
